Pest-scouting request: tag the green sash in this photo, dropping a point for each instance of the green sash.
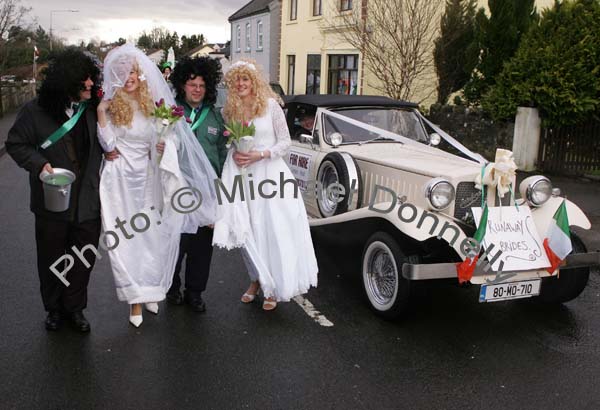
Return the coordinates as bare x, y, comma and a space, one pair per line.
201, 119
66, 127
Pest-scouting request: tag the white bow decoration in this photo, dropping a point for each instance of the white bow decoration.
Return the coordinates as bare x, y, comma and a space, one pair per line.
499, 173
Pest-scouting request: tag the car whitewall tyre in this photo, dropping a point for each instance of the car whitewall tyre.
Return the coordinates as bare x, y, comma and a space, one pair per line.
383, 283
342, 169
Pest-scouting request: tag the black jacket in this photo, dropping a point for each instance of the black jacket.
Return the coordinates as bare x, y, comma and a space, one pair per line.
31, 128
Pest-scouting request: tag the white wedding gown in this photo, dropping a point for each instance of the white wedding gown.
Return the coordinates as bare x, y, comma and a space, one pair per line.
135, 190
273, 232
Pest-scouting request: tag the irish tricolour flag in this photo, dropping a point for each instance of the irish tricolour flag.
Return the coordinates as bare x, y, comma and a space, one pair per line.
558, 238
466, 268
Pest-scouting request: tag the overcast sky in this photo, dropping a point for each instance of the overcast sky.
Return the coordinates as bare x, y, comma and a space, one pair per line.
110, 19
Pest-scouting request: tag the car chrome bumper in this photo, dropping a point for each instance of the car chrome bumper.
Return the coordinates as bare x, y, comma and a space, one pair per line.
448, 270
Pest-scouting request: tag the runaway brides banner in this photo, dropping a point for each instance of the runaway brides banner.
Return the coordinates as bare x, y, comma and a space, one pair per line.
512, 231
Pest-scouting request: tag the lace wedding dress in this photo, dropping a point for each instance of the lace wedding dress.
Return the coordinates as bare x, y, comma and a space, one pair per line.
273, 232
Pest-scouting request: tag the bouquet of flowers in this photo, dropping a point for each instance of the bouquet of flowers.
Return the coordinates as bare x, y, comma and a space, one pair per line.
165, 116
241, 134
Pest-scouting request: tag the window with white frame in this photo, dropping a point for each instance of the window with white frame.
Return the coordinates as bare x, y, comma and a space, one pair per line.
316, 10
343, 74
259, 35
293, 9
313, 74
345, 5
238, 38
248, 45
291, 73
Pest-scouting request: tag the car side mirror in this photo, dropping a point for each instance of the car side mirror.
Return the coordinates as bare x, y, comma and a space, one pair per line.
307, 139
435, 139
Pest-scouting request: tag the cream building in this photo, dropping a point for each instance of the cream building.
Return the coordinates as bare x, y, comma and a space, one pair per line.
315, 59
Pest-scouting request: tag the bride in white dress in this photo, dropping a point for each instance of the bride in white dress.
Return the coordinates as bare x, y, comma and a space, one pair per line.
141, 226
273, 232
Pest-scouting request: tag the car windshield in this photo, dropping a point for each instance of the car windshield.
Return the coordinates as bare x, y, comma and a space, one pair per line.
397, 121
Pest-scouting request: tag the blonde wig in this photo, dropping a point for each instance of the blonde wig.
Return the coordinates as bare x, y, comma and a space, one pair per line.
120, 107
261, 91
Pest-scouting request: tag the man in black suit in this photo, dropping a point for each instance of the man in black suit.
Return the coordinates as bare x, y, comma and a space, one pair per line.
70, 88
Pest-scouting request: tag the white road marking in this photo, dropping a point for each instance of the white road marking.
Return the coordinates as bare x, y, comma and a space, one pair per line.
312, 312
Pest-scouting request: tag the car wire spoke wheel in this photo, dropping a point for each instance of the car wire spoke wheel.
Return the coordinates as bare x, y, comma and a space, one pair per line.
382, 273
338, 170
328, 198
384, 285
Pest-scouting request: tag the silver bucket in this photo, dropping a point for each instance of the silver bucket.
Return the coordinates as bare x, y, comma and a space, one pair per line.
57, 189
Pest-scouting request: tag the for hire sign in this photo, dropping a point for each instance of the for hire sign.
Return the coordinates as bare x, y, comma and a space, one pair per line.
512, 231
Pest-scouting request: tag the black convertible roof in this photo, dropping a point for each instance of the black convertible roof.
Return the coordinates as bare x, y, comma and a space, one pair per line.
346, 100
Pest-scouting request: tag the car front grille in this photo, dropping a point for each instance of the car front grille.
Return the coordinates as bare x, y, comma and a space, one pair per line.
467, 196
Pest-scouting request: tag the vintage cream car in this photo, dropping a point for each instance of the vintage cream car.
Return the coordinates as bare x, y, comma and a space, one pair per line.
408, 198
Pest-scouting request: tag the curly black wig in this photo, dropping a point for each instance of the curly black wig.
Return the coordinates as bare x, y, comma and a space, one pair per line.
63, 80
189, 68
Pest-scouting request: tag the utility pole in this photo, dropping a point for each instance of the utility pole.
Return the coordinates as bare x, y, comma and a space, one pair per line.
58, 11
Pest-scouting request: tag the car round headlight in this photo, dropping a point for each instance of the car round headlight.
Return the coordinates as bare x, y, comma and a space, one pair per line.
435, 139
537, 190
336, 139
439, 193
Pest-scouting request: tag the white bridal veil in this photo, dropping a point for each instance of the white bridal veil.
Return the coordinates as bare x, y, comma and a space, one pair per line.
193, 163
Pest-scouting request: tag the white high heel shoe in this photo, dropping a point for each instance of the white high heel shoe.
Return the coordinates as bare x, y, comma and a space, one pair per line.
135, 320
152, 307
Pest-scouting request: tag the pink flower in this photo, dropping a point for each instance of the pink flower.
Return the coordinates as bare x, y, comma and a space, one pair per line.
188, 120
226, 133
246, 123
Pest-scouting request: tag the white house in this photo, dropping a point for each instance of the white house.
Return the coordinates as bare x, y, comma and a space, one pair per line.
207, 49
256, 34
156, 55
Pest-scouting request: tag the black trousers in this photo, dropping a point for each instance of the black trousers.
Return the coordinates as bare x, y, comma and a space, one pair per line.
198, 248
54, 239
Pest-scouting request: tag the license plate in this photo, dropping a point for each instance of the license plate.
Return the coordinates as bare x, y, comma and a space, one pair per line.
511, 290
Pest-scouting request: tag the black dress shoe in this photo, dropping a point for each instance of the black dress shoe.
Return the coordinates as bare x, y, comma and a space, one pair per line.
196, 303
175, 298
80, 322
53, 320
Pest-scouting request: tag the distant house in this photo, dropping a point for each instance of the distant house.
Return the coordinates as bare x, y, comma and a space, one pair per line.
207, 49
256, 33
156, 55
218, 51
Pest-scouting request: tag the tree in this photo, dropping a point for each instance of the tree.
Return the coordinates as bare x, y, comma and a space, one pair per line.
161, 38
498, 38
189, 43
42, 41
455, 55
395, 38
556, 68
144, 41
11, 15
176, 43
